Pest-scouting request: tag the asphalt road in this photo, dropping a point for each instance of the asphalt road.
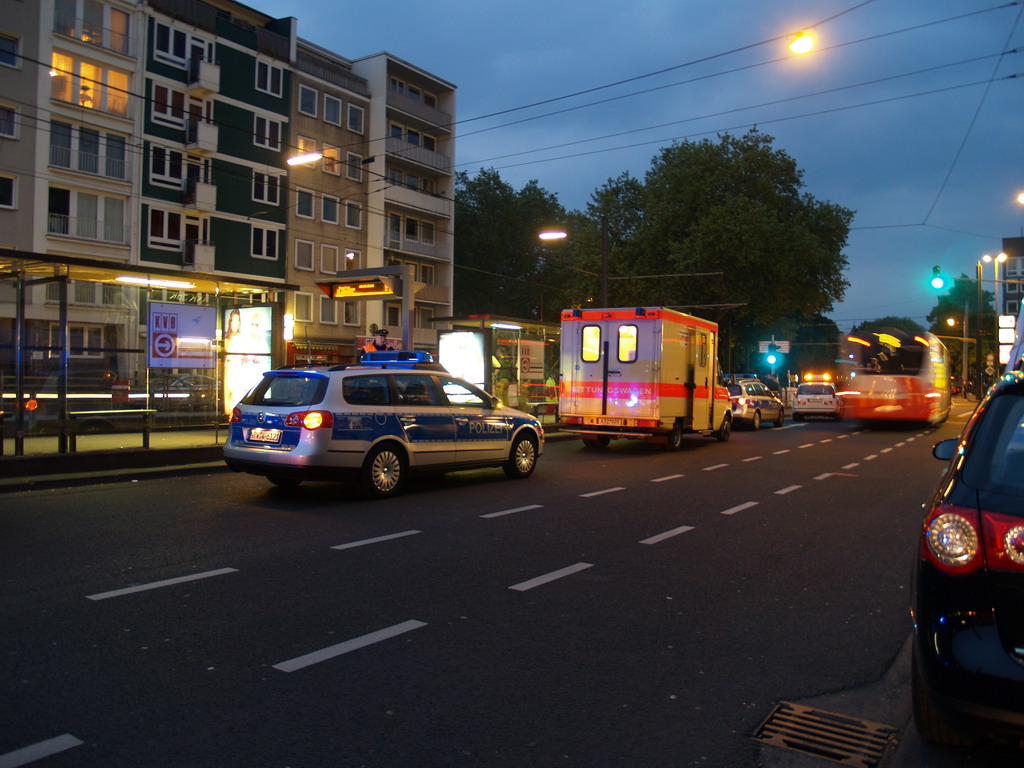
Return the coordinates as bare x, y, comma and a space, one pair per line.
622, 608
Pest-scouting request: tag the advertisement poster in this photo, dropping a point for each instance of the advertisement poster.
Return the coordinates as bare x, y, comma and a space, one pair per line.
247, 343
462, 354
181, 336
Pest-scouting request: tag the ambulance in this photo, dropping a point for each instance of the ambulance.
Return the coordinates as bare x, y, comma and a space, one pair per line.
643, 373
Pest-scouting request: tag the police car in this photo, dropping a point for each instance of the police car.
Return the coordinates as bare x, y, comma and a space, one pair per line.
753, 404
376, 421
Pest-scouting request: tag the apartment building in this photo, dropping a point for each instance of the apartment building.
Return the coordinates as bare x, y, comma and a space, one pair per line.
410, 198
327, 196
143, 163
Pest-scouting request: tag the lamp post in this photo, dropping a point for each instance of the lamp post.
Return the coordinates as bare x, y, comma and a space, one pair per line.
559, 234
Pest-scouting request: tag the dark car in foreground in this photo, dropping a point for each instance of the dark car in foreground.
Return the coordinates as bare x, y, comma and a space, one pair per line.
968, 609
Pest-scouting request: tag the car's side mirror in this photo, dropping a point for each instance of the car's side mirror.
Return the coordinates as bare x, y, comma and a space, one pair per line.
945, 449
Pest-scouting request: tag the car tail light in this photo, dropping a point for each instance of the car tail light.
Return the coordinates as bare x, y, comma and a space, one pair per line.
310, 419
951, 540
236, 415
1004, 541
741, 401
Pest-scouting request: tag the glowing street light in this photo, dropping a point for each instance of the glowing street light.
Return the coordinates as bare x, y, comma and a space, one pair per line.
802, 43
310, 157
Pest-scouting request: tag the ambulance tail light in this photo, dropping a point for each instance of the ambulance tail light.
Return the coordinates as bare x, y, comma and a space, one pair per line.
572, 419
649, 423
310, 419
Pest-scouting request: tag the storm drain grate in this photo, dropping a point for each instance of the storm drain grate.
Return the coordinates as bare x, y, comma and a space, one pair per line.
841, 739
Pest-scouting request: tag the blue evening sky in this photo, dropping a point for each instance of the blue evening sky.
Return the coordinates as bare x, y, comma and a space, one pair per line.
908, 113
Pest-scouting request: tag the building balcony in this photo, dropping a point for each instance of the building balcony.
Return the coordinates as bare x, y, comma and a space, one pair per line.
434, 294
419, 201
89, 162
78, 28
435, 118
81, 228
199, 196
203, 77
399, 148
198, 255
200, 136
417, 247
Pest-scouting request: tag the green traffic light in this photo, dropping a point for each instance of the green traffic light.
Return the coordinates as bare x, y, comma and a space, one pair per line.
938, 282
772, 359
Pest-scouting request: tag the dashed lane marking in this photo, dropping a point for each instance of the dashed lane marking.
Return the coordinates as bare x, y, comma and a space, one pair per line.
375, 540
527, 508
667, 534
602, 492
740, 507
159, 584
788, 489
332, 651
715, 466
549, 577
666, 477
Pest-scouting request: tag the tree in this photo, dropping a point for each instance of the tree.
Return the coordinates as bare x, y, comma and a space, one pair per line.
734, 207
499, 260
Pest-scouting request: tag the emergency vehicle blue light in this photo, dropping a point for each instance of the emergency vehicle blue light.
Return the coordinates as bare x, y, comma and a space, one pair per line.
398, 356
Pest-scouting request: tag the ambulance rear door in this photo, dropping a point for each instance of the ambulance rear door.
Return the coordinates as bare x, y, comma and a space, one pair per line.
612, 368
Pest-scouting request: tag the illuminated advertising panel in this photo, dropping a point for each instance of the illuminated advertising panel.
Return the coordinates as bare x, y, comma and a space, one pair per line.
181, 336
246, 350
463, 354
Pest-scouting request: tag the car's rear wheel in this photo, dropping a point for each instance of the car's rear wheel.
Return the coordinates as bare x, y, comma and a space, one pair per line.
755, 421
598, 443
674, 439
781, 418
930, 724
522, 459
383, 471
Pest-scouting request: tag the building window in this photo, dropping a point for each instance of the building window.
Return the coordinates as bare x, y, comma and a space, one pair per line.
7, 189
269, 78
354, 166
427, 233
8, 51
331, 160
264, 243
305, 145
8, 122
355, 118
424, 316
352, 259
266, 133
332, 110
329, 212
265, 188
308, 99
412, 231
328, 310
168, 106
303, 307
426, 273
86, 216
304, 203
353, 215
304, 255
351, 312
89, 85
87, 150
167, 167
329, 259
92, 22
393, 314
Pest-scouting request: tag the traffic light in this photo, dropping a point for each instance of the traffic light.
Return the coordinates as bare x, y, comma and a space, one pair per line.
773, 354
938, 281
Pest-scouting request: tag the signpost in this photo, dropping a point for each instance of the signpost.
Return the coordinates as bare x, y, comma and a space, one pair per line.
378, 283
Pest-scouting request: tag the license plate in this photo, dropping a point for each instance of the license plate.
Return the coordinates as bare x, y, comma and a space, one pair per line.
606, 421
262, 435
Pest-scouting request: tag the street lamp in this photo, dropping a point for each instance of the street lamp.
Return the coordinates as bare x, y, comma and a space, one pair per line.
559, 234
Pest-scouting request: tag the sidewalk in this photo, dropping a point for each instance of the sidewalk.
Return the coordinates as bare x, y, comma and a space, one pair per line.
109, 458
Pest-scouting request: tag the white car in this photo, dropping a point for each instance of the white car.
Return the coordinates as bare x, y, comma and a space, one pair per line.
376, 421
817, 399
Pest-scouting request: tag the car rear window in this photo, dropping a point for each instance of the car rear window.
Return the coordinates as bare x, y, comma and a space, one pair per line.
275, 389
815, 389
735, 389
